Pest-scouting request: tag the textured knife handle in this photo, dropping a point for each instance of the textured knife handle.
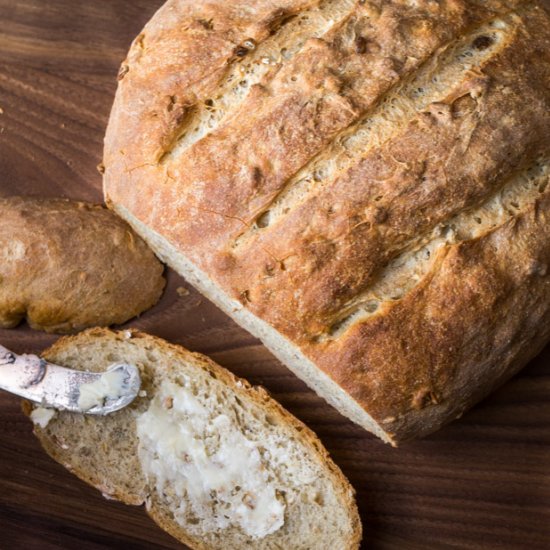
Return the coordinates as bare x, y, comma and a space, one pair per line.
20, 373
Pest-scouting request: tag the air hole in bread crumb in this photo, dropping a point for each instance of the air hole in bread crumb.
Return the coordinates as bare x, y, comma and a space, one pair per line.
241, 51
319, 174
264, 219
85, 451
271, 420
482, 42
372, 306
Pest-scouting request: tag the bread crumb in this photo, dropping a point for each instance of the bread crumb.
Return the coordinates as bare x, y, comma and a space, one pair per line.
127, 334
142, 393
182, 291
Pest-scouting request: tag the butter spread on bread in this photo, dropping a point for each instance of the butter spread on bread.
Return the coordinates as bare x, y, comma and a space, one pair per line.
217, 463
361, 184
195, 453
110, 385
42, 416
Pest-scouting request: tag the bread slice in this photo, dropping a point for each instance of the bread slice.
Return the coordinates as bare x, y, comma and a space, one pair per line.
218, 463
362, 185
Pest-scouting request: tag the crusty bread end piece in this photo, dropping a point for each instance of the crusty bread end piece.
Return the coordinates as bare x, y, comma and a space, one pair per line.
70, 265
218, 463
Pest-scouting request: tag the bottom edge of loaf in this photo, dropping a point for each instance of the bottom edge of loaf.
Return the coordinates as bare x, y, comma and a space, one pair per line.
283, 349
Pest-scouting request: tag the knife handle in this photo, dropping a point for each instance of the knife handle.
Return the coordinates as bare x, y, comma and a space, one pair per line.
19, 373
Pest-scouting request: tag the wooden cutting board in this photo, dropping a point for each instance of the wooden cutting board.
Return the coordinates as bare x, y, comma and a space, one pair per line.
480, 483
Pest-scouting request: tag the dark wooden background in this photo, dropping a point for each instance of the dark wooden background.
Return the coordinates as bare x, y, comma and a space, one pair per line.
480, 483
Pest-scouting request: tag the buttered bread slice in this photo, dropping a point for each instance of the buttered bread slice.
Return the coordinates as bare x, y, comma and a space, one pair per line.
219, 464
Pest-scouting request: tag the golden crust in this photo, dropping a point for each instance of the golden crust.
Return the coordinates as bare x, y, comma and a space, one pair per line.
475, 320
434, 151
70, 265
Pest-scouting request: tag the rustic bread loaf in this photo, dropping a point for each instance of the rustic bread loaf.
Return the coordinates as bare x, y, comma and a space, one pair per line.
361, 184
70, 265
218, 463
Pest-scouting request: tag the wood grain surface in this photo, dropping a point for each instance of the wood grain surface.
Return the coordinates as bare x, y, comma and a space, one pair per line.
480, 483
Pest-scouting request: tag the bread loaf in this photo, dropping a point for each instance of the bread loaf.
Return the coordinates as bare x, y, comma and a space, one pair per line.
218, 463
70, 265
361, 184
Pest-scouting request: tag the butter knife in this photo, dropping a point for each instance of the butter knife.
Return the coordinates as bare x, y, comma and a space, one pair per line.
57, 387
